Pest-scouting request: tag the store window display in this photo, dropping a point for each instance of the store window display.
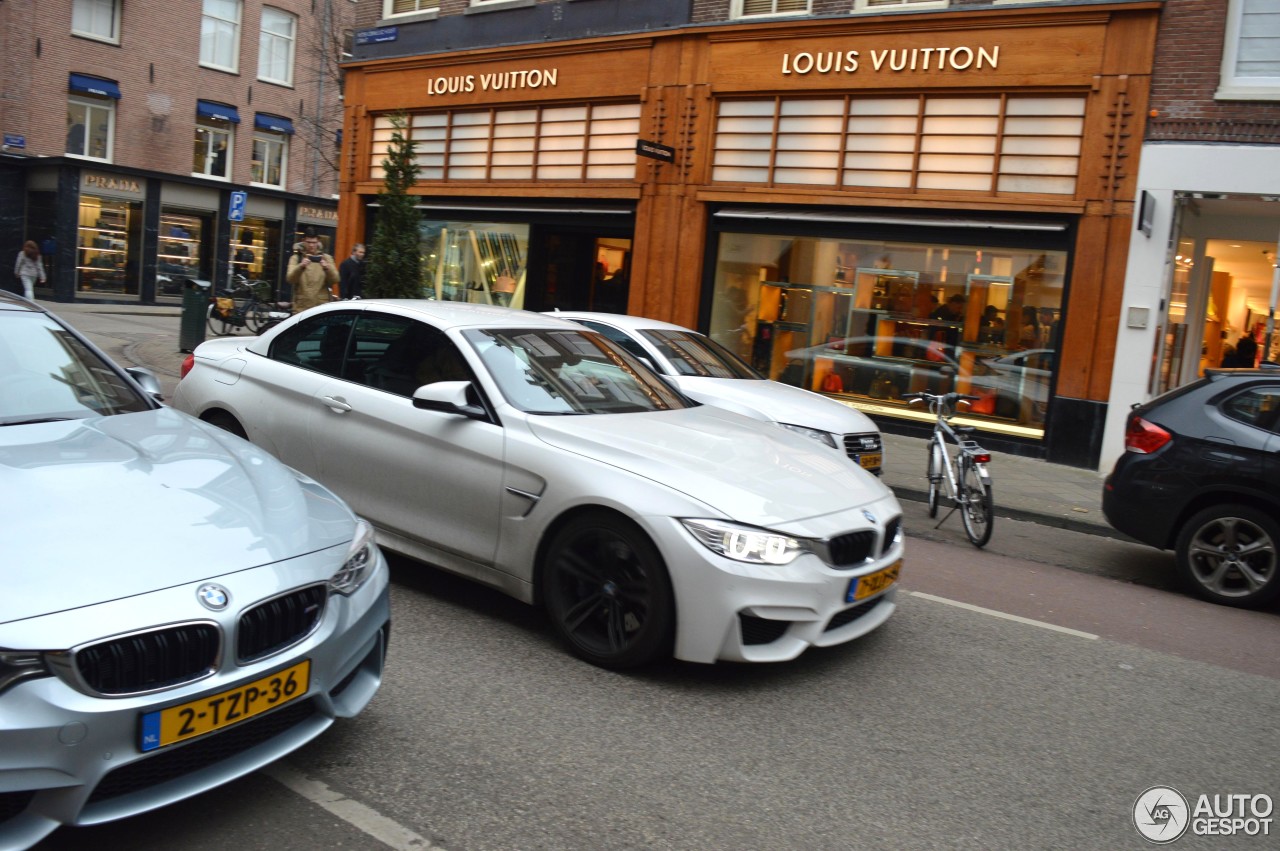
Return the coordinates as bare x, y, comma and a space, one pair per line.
873, 321
182, 250
108, 236
480, 262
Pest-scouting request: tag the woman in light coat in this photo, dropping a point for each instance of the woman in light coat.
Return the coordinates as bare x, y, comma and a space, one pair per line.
29, 269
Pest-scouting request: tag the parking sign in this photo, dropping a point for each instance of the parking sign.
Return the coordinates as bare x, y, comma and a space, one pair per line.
236, 213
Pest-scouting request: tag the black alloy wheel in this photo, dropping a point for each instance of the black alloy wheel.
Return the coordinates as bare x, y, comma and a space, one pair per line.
607, 592
1228, 554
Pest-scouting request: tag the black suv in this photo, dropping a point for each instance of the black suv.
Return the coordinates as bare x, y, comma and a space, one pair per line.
1201, 476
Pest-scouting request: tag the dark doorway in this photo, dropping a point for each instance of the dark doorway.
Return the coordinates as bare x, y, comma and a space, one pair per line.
579, 269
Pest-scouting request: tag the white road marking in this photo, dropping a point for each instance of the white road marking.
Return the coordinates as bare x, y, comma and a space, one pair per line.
352, 812
1005, 615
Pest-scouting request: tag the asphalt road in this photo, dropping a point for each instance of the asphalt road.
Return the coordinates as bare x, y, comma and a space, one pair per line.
1021, 697
951, 727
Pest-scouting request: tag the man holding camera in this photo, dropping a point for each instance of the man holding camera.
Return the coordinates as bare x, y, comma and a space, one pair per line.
312, 274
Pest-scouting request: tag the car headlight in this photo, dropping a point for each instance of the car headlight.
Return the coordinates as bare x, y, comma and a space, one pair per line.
746, 543
816, 433
16, 666
360, 559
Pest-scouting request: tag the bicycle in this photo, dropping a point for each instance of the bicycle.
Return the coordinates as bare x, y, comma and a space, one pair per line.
963, 471
243, 305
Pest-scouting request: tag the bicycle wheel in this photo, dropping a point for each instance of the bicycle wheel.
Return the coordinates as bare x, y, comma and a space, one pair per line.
937, 461
218, 326
257, 317
977, 508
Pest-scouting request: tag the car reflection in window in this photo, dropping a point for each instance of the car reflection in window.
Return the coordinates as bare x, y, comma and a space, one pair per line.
569, 372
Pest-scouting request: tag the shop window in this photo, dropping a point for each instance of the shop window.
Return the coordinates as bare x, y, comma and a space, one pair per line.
276, 46
96, 19
270, 156
1251, 54
583, 142
220, 34
255, 251
108, 238
408, 7
872, 321
480, 262
91, 127
751, 8
182, 250
1025, 144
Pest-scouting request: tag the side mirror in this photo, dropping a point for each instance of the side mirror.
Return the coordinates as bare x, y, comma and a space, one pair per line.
449, 397
148, 381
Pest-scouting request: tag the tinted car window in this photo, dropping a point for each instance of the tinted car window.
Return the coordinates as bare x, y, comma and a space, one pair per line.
318, 344
1257, 406
622, 338
46, 373
400, 355
694, 354
543, 371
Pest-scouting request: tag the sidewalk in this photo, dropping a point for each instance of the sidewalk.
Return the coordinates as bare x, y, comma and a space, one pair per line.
1025, 488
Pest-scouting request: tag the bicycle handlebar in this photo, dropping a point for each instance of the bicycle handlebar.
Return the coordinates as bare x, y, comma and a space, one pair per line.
944, 398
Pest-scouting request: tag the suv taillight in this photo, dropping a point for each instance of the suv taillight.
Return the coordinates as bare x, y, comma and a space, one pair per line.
1144, 437
189, 362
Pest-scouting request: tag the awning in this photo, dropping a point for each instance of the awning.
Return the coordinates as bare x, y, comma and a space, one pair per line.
918, 220
262, 121
217, 111
94, 86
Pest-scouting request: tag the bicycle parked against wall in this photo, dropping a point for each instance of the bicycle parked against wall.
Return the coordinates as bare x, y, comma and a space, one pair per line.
244, 304
958, 467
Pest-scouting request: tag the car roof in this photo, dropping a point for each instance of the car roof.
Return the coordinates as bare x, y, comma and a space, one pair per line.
12, 301
622, 320
458, 314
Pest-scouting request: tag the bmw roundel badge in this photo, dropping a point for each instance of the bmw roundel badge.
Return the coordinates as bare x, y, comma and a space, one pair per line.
213, 596
871, 518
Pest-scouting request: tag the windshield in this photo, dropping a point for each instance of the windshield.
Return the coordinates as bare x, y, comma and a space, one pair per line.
47, 374
694, 354
552, 371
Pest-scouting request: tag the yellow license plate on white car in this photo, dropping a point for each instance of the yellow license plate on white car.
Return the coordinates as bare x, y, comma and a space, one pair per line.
217, 711
870, 461
862, 587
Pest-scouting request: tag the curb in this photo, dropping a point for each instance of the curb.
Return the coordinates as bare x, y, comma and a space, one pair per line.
1068, 523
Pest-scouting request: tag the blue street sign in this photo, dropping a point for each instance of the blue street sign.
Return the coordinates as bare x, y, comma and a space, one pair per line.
236, 213
12, 140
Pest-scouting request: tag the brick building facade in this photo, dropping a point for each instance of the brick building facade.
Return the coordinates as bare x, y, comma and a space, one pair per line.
1202, 272
109, 101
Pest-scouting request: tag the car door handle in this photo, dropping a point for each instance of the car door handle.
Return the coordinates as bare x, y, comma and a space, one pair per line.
335, 403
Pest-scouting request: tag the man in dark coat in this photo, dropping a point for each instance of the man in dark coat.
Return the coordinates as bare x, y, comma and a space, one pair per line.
351, 273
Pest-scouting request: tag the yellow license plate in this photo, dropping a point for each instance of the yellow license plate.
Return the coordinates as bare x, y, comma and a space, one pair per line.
197, 717
870, 461
862, 587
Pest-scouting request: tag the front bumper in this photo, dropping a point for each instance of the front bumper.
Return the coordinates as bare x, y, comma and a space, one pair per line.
728, 610
68, 758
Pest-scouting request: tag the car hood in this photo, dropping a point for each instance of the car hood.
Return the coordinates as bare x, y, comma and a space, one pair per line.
775, 401
751, 472
110, 507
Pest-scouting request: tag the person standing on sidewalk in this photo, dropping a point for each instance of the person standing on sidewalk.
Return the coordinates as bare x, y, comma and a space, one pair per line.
28, 269
351, 273
312, 274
